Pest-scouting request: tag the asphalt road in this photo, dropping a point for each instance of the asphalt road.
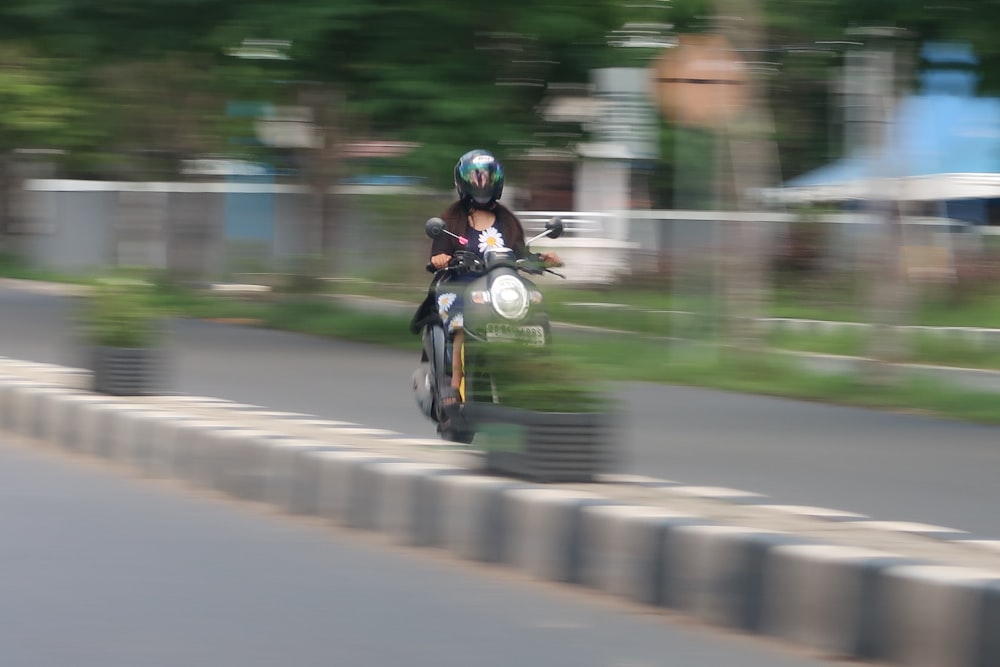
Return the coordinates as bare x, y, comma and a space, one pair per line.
890, 466
104, 570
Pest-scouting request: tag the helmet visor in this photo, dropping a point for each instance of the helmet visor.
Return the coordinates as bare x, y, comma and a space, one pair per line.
480, 178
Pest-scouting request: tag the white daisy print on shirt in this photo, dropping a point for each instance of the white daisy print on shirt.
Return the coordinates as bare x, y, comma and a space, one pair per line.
490, 238
445, 302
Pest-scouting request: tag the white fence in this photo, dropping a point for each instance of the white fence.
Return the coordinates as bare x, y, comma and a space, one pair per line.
192, 227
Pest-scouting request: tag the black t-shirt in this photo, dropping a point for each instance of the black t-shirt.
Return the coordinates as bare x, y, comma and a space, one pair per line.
497, 235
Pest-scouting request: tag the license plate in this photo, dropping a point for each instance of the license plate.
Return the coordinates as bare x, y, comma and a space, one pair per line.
532, 335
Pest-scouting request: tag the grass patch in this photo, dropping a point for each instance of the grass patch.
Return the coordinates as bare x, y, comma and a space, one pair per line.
846, 341
775, 375
978, 311
925, 348
322, 318
13, 266
968, 353
301, 314
178, 302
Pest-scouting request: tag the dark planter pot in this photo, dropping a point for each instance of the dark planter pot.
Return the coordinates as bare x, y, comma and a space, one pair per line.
544, 446
127, 371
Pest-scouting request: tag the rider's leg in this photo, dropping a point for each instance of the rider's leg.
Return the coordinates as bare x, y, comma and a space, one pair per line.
457, 368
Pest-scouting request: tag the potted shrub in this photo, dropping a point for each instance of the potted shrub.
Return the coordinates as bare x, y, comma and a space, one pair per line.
122, 333
538, 417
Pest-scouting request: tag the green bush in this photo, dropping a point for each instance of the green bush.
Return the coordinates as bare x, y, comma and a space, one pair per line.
119, 312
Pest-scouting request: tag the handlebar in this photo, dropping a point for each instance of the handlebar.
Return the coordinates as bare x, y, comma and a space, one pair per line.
530, 265
533, 265
464, 259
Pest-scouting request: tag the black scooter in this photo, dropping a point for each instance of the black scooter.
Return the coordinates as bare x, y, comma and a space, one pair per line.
500, 305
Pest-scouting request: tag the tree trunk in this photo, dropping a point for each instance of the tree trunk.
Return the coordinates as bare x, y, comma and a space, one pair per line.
889, 294
749, 164
322, 175
7, 194
890, 299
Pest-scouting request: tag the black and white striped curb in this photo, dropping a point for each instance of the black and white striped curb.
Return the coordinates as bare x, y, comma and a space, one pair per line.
724, 557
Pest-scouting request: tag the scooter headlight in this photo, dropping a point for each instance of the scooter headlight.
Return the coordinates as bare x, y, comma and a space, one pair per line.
509, 297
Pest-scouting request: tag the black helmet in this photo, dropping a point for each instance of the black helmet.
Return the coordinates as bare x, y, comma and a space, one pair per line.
478, 178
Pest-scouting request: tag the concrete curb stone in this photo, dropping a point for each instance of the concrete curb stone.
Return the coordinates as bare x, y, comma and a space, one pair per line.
402, 506
542, 531
826, 597
624, 553
938, 615
470, 508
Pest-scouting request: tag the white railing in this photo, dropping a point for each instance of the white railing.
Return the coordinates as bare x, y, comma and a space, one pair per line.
598, 246
577, 224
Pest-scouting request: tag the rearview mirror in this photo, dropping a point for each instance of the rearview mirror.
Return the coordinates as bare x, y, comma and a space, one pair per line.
554, 227
434, 227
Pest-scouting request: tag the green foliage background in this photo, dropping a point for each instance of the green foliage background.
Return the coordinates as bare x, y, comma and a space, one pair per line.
128, 87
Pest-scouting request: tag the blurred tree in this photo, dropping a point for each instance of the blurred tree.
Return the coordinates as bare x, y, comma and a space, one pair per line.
159, 112
141, 75
37, 113
446, 74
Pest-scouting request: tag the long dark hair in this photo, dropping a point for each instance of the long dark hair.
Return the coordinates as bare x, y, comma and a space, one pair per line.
456, 220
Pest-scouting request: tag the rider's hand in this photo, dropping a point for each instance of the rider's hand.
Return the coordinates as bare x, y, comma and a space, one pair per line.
550, 259
440, 261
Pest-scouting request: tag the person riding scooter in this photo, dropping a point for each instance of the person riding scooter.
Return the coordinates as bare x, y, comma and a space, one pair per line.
482, 223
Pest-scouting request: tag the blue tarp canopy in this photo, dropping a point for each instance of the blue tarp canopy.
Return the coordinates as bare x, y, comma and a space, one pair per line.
942, 144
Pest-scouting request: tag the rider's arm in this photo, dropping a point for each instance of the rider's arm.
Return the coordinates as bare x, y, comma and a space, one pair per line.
443, 245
